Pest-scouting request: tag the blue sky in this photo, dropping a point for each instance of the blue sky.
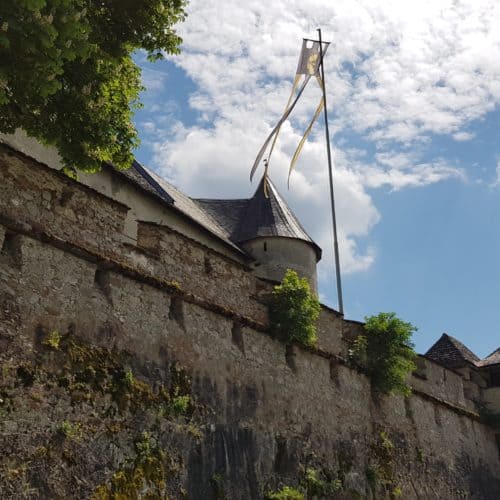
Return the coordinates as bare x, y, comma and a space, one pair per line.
413, 94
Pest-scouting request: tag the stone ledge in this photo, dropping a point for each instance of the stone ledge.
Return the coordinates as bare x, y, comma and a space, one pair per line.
107, 263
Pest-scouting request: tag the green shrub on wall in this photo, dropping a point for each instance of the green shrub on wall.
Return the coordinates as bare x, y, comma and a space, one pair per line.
294, 310
286, 493
387, 352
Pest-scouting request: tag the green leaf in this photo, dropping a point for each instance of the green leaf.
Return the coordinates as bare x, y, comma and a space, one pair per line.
51, 50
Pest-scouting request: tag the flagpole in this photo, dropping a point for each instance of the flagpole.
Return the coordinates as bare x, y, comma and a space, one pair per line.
330, 173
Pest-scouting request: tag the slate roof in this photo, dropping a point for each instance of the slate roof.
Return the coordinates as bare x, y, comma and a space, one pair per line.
451, 353
269, 216
152, 183
258, 217
233, 221
140, 176
226, 212
492, 359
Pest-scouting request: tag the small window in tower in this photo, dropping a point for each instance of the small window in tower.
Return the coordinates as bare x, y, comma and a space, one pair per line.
265, 246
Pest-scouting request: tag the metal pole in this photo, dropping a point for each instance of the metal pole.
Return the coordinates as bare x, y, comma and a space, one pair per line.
330, 172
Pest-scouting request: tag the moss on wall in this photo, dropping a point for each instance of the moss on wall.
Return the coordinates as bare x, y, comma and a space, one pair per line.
87, 408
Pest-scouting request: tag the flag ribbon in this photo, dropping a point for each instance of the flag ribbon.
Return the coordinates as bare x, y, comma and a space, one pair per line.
294, 87
296, 155
309, 62
276, 129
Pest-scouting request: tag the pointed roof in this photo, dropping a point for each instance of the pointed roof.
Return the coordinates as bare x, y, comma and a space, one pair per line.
269, 215
450, 352
492, 359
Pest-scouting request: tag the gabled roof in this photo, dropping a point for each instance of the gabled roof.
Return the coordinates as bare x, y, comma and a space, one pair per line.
269, 215
492, 359
451, 353
152, 183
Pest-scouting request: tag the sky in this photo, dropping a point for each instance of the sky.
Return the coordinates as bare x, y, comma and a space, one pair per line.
413, 92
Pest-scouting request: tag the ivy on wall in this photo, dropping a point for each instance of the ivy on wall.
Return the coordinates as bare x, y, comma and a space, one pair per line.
294, 310
386, 352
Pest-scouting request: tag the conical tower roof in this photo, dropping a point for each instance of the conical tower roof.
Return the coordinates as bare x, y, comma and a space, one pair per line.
266, 216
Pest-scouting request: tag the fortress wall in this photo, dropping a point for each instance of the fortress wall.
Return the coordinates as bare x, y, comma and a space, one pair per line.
269, 410
38, 198
273, 410
141, 206
492, 398
88, 220
441, 383
204, 272
331, 329
72, 213
146, 207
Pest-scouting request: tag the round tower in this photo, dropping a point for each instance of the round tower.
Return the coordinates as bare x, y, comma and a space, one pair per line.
270, 233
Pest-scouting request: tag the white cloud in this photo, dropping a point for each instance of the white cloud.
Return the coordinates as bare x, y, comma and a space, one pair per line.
419, 175
152, 80
463, 136
496, 182
397, 73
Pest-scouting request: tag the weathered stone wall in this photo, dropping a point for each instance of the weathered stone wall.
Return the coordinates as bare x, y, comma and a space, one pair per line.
93, 338
272, 409
203, 271
35, 198
141, 206
492, 398
441, 383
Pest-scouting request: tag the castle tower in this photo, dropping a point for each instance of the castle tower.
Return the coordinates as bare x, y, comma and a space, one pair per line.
269, 232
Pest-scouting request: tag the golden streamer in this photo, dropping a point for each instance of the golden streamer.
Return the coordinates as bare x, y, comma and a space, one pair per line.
294, 86
306, 133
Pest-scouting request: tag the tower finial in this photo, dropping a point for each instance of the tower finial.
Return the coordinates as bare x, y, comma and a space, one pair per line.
266, 167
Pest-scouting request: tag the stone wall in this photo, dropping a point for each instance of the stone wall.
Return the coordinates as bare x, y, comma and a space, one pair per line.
35, 198
442, 383
492, 398
99, 346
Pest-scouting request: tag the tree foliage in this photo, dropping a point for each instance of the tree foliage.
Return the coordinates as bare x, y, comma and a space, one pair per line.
67, 76
286, 493
387, 352
294, 310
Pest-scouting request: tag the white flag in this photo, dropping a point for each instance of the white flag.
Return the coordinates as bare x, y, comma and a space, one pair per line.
309, 64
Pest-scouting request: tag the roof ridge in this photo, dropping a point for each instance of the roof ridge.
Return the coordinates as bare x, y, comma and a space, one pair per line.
497, 350
145, 173
220, 199
492, 359
460, 345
